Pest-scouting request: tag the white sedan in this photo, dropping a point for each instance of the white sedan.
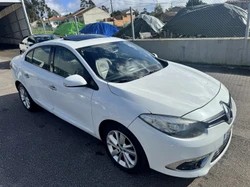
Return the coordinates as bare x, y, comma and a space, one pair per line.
149, 112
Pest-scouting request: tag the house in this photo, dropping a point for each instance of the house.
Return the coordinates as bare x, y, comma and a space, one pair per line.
240, 3
55, 21
175, 8
89, 15
119, 21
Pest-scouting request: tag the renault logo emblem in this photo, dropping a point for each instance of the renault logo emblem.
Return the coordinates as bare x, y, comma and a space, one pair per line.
227, 111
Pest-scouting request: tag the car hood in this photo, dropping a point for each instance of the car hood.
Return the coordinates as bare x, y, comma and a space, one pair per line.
174, 90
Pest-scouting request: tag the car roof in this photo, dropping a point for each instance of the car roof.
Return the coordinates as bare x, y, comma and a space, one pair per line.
42, 35
87, 41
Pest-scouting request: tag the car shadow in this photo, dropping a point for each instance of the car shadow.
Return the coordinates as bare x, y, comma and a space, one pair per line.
39, 149
5, 65
8, 46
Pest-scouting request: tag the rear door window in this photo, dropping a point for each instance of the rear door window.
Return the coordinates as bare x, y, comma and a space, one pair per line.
28, 57
41, 57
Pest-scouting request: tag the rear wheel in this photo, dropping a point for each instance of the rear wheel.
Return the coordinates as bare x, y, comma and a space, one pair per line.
27, 101
124, 149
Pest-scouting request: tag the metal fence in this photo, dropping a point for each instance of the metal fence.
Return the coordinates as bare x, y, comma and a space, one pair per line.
179, 19
187, 20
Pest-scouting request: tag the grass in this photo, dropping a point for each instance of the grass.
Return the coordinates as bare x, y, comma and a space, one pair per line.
41, 31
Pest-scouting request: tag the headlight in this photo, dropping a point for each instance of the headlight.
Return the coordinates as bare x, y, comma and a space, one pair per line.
175, 126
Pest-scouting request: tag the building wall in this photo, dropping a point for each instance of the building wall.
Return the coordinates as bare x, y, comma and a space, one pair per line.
14, 24
95, 15
226, 51
125, 21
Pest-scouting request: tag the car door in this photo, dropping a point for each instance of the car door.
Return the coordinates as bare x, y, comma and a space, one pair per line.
72, 104
36, 73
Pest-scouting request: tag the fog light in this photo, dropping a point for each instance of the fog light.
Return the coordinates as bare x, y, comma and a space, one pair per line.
189, 164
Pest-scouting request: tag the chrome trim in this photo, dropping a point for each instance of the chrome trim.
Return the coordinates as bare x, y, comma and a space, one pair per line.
221, 116
174, 165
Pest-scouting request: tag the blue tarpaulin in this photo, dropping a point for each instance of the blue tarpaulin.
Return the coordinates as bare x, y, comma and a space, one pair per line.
99, 28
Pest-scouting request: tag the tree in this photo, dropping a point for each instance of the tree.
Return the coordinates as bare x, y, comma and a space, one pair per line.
87, 4
145, 11
30, 11
105, 8
194, 3
158, 11
136, 12
116, 13
37, 9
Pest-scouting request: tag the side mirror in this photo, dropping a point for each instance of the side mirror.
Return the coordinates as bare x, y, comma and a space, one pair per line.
155, 55
31, 40
74, 81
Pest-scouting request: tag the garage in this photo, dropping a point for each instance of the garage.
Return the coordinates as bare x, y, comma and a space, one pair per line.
14, 22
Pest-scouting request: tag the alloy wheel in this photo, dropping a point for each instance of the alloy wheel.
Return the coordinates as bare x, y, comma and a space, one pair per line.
24, 97
121, 149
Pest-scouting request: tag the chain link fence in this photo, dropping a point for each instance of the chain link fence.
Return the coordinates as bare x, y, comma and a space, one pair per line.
182, 19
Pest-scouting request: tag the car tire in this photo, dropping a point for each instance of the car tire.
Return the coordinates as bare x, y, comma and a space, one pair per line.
27, 101
127, 153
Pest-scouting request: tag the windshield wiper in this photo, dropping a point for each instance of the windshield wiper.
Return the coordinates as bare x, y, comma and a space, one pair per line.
123, 80
150, 72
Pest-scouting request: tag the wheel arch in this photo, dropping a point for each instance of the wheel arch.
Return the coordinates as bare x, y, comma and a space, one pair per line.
105, 123
17, 83
109, 122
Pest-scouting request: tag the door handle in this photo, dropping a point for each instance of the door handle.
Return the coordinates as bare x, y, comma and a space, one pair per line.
52, 87
26, 75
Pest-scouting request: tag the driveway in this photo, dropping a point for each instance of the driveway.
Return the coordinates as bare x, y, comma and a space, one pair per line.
39, 149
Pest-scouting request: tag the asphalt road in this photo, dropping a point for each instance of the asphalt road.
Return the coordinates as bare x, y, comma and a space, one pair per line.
39, 149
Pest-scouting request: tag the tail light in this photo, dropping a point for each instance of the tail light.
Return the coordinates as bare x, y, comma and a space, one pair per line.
10, 65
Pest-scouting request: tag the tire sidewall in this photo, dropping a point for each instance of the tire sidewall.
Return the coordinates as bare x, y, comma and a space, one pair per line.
141, 163
32, 104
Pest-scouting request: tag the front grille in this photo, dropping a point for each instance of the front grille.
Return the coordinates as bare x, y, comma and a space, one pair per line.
221, 149
220, 117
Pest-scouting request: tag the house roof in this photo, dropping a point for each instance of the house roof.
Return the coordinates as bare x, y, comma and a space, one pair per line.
170, 13
81, 11
56, 18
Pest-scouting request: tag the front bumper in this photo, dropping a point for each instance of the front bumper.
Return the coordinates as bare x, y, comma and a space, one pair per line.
163, 151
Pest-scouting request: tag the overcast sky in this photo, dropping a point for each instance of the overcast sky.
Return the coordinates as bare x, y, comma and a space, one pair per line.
66, 6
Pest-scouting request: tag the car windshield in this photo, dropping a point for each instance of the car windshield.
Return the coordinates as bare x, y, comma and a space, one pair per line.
45, 38
120, 61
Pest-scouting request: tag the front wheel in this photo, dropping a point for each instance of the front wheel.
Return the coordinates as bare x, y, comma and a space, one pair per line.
124, 149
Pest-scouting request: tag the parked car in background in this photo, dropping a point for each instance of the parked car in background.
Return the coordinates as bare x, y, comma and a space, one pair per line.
31, 40
148, 112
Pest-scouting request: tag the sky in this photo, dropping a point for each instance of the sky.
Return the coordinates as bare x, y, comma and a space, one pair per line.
67, 6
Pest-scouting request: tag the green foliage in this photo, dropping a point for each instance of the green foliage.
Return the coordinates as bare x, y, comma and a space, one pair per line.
117, 13
158, 11
136, 12
41, 31
37, 9
87, 4
194, 3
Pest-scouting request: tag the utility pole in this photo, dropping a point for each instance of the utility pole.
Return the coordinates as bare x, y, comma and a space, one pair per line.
111, 6
77, 29
132, 23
